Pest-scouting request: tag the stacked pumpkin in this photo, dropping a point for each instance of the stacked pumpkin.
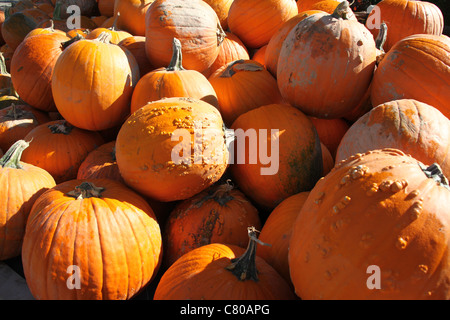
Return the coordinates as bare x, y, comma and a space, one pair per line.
198, 125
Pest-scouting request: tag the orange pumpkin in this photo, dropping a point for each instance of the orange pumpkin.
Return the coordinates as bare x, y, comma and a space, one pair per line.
374, 228
136, 45
117, 34
97, 229
132, 15
327, 159
173, 81
222, 272
220, 214
326, 64
221, 7
92, 83
295, 162
260, 54
243, 85
330, 132
162, 142
59, 148
106, 7
21, 184
254, 21
193, 22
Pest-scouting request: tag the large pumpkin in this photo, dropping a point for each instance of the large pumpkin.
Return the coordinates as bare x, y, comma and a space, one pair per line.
255, 21
59, 148
222, 272
21, 184
222, 8
374, 228
326, 64
404, 18
416, 128
193, 22
295, 161
173, 148
173, 81
90, 239
416, 67
32, 67
92, 83
220, 214
132, 15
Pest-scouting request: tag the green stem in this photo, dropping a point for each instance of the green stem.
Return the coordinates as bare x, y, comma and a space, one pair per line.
176, 63
341, 10
11, 159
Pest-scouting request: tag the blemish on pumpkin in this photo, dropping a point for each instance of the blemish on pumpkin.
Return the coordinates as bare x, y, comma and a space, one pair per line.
401, 243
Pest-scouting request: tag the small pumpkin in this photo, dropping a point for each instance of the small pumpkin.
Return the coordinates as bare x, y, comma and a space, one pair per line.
223, 272
173, 81
117, 34
45, 30
99, 227
330, 132
21, 184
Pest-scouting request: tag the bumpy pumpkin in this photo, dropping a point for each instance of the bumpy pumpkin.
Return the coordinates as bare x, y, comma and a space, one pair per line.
21, 184
222, 272
92, 83
173, 81
374, 228
220, 214
416, 128
88, 240
295, 162
326, 64
193, 22
167, 164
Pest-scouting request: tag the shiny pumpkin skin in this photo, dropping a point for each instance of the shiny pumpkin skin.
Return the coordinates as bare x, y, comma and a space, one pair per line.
374, 209
113, 239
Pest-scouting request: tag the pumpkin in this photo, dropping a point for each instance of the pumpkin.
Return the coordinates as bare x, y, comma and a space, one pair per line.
259, 55
106, 7
149, 148
117, 34
21, 184
220, 214
327, 159
323, 5
15, 28
243, 85
330, 132
326, 64
132, 15
16, 121
222, 272
99, 20
7, 53
136, 45
100, 163
194, 23
60, 148
32, 67
48, 30
404, 18
374, 228
80, 32
416, 128
221, 7
416, 67
295, 162
273, 49
92, 83
254, 22
2, 19
173, 81
106, 232
230, 50
277, 232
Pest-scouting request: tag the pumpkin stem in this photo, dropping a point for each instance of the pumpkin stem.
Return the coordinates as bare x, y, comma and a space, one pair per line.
434, 172
11, 159
381, 38
341, 10
114, 25
176, 63
57, 12
86, 190
104, 37
244, 267
3, 69
220, 194
61, 127
13, 113
67, 43
220, 34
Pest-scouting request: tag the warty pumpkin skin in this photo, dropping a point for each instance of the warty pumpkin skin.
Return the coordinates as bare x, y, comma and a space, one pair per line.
106, 231
150, 150
416, 67
32, 67
59, 148
326, 64
222, 272
21, 184
92, 83
220, 214
416, 128
173, 81
404, 18
192, 22
378, 209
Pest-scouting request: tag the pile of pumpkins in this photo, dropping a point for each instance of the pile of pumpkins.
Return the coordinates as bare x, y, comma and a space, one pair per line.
110, 184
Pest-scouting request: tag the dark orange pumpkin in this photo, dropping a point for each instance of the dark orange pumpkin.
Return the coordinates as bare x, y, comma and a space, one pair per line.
15, 28
21, 184
136, 45
98, 230
330, 132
